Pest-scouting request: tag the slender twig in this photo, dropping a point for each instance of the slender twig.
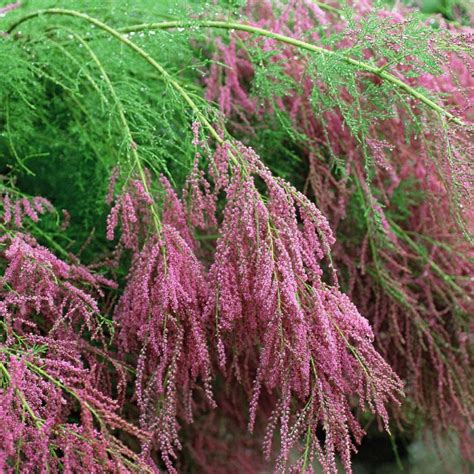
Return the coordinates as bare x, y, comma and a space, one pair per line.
123, 119
328, 8
363, 66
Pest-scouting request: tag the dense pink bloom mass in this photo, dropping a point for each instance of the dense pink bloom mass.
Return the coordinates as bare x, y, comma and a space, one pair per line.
50, 376
264, 307
43, 393
37, 282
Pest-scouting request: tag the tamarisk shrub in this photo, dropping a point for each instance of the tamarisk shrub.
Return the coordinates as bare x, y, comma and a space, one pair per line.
238, 290
393, 186
265, 294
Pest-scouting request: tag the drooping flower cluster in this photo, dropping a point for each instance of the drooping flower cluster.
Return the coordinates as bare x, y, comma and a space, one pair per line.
14, 210
161, 320
265, 294
36, 282
127, 207
284, 329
